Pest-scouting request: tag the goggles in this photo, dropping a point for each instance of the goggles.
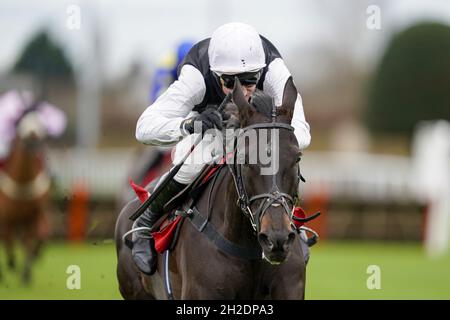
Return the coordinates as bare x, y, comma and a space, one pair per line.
246, 79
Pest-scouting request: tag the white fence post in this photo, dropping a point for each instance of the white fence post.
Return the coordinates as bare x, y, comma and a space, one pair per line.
431, 176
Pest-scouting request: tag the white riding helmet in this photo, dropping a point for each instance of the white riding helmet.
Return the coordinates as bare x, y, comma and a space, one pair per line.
236, 48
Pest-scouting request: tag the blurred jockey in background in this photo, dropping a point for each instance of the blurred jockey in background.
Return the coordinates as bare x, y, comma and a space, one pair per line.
13, 105
166, 74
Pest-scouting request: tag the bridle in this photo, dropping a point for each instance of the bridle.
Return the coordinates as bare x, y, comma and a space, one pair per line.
274, 197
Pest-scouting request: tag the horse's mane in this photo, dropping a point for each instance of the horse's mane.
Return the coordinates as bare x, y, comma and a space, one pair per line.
262, 102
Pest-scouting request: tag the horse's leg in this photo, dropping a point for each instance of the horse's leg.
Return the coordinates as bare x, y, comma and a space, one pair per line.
290, 278
289, 286
2, 239
130, 285
37, 248
9, 247
1, 272
288, 291
202, 275
42, 234
26, 274
30, 244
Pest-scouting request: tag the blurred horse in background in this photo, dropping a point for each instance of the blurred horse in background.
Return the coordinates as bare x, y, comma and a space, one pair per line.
25, 184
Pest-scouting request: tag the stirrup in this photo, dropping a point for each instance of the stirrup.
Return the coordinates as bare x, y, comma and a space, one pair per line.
128, 242
310, 241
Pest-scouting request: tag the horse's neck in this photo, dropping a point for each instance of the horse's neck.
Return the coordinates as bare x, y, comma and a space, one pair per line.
23, 165
226, 214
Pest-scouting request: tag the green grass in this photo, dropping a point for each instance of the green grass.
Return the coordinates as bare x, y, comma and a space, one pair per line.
337, 270
97, 265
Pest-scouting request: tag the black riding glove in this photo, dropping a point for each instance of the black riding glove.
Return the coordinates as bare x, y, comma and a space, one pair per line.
209, 118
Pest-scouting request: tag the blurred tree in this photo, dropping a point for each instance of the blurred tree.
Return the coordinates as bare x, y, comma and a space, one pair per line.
44, 59
412, 82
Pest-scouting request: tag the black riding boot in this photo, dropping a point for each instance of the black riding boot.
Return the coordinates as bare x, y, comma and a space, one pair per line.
143, 252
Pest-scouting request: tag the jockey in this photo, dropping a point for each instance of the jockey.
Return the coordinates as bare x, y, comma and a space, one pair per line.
13, 105
206, 75
167, 73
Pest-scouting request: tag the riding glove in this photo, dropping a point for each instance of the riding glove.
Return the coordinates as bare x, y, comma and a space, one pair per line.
209, 118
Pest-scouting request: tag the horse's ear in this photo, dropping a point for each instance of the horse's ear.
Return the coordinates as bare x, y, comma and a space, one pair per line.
244, 107
289, 97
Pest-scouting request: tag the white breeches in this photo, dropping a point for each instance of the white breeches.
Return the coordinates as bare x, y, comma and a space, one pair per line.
208, 151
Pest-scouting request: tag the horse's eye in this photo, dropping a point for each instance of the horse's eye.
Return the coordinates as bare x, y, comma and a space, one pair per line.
298, 158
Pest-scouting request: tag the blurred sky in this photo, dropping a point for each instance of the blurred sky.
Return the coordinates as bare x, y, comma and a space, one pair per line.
145, 30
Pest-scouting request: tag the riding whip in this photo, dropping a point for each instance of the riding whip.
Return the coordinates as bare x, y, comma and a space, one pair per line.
175, 169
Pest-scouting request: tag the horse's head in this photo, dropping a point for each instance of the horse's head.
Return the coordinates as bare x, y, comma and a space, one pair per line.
30, 129
266, 168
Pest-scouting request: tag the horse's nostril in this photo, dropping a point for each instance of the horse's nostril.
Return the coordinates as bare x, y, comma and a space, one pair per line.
265, 241
289, 241
291, 237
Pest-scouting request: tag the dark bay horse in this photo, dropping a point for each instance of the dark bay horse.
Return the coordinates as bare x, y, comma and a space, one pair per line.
266, 262
24, 189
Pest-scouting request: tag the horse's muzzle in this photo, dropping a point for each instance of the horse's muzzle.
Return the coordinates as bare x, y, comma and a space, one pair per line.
276, 245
